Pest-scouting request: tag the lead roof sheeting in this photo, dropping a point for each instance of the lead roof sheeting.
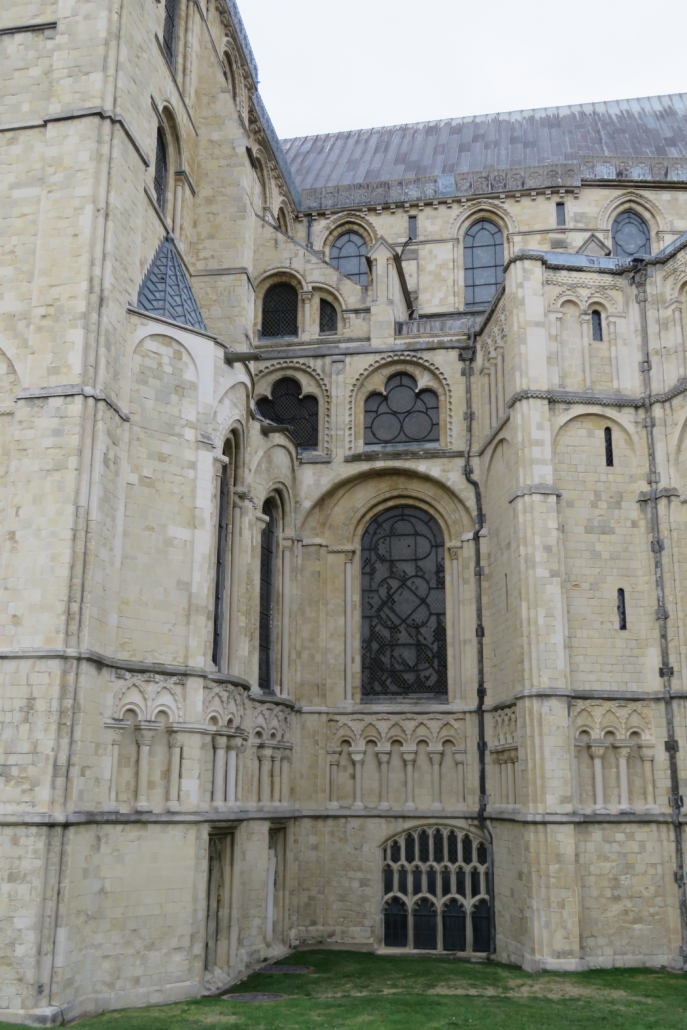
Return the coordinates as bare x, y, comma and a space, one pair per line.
649, 126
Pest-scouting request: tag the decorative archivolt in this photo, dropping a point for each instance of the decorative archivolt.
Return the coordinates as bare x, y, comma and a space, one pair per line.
577, 288
271, 724
149, 694
341, 223
495, 335
224, 705
295, 367
476, 209
385, 730
402, 363
623, 718
505, 726
649, 209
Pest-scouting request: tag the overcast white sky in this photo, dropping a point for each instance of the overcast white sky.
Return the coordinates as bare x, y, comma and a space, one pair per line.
329, 65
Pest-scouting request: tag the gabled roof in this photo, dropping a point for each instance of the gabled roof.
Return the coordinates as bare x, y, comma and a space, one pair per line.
166, 291
649, 127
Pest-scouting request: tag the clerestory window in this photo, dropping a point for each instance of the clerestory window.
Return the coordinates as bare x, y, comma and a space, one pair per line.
483, 261
329, 322
268, 548
280, 311
348, 255
287, 407
630, 235
401, 415
169, 31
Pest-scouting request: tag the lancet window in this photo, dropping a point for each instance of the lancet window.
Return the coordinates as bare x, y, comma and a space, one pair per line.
402, 414
161, 165
435, 888
630, 235
403, 606
169, 31
483, 262
348, 255
268, 548
287, 407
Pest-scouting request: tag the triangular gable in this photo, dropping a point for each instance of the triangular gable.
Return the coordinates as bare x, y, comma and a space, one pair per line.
166, 291
594, 246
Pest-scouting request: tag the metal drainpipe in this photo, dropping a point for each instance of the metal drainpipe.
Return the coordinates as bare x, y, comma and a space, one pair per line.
639, 280
480, 519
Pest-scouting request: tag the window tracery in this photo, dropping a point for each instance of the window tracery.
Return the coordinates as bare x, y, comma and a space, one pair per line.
438, 877
347, 253
483, 262
630, 235
402, 414
287, 407
403, 606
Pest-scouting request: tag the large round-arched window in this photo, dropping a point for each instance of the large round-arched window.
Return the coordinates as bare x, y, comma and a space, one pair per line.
348, 255
280, 311
631, 236
403, 606
483, 260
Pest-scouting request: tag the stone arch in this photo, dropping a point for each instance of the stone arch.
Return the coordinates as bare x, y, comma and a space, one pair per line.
311, 380
645, 206
396, 732
232, 66
472, 212
372, 378
284, 220
345, 222
618, 420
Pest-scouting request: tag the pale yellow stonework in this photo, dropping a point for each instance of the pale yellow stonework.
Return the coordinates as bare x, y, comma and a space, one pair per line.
132, 763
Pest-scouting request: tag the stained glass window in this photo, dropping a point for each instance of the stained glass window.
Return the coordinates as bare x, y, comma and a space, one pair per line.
348, 255
280, 311
483, 260
402, 414
403, 606
631, 236
288, 408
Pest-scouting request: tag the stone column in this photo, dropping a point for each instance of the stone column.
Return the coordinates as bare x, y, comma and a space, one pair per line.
234, 586
383, 756
612, 339
455, 591
493, 400
409, 756
559, 351
285, 616
358, 756
647, 750
178, 199
334, 759
584, 323
390, 278
679, 341
117, 726
264, 756
233, 745
219, 769
240, 760
459, 759
348, 628
501, 377
503, 777
511, 760
174, 772
276, 775
145, 731
597, 749
436, 753
373, 262
306, 296
286, 777
486, 372
622, 750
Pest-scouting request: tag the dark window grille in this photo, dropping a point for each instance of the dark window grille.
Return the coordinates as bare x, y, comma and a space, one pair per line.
268, 539
403, 881
348, 255
388, 880
432, 882
460, 884
160, 176
483, 261
280, 311
480, 926
401, 415
452, 846
423, 846
560, 213
417, 881
169, 31
454, 926
482, 853
438, 841
220, 565
608, 444
287, 408
597, 326
622, 611
467, 849
475, 883
395, 852
424, 925
403, 606
445, 882
412, 227
630, 235
395, 924
410, 847
329, 322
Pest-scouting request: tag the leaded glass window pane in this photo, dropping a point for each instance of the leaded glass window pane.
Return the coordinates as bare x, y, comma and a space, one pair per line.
388, 880
454, 926
475, 883
410, 847
424, 925
483, 261
438, 838
160, 177
286, 407
348, 255
267, 556
631, 236
169, 31
403, 606
280, 311
329, 322
597, 326
401, 415
480, 926
395, 924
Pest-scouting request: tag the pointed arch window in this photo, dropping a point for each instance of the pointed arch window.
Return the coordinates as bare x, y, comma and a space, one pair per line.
280, 311
401, 415
483, 262
348, 255
403, 606
287, 407
268, 547
630, 235
161, 166
169, 31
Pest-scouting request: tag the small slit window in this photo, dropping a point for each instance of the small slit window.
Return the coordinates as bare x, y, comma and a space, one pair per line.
348, 255
287, 407
401, 415
483, 258
169, 31
630, 235
268, 544
160, 177
622, 611
597, 327
412, 227
280, 311
329, 322
608, 446
560, 213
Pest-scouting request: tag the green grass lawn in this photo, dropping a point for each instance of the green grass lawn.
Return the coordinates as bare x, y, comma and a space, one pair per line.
349, 990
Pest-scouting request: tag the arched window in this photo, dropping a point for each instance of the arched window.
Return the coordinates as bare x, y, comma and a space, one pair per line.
160, 177
169, 31
348, 255
597, 327
280, 311
403, 606
231, 77
288, 408
459, 867
483, 260
631, 236
283, 223
221, 561
402, 414
268, 546
329, 322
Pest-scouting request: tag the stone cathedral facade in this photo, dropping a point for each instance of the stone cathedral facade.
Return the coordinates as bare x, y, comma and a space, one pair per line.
344, 539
